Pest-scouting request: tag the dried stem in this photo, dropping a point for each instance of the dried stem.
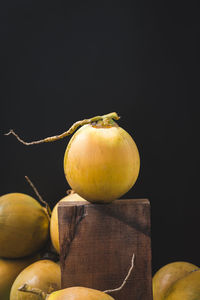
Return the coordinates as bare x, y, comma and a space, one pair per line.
26, 288
47, 208
125, 279
105, 118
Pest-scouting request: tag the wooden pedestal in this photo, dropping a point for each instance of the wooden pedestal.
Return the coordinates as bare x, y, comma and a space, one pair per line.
97, 242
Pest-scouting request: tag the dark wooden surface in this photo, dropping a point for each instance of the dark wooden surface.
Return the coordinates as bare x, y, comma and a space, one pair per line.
97, 242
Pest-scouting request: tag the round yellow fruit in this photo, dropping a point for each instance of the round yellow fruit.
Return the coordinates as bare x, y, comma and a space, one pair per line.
167, 275
187, 288
101, 162
9, 270
24, 225
54, 232
44, 275
79, 293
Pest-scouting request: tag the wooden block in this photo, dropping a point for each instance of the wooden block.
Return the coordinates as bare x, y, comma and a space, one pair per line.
97, 242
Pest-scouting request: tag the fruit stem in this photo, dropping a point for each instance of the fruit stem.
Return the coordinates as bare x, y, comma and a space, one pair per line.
47, 208
28, 289
71, 130
125, 279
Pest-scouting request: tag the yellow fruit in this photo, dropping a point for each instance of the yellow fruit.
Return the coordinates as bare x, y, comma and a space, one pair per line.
101, 162
79, 293
9, 270
72, 293
43, 274
187, 288
167, 275
24, 225
54, 219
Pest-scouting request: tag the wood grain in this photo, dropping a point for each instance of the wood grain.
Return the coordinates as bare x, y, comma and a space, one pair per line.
97, 242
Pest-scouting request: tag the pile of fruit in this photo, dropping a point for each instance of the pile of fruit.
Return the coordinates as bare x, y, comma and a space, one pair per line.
24, 235
101, 163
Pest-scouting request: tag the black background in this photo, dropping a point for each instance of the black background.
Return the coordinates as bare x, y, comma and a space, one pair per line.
63, 61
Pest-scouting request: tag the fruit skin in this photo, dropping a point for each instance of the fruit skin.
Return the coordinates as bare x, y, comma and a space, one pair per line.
77, 293
186, 288
9, 270
101, 163
167, 275
43, 274
54, 233
24, 226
